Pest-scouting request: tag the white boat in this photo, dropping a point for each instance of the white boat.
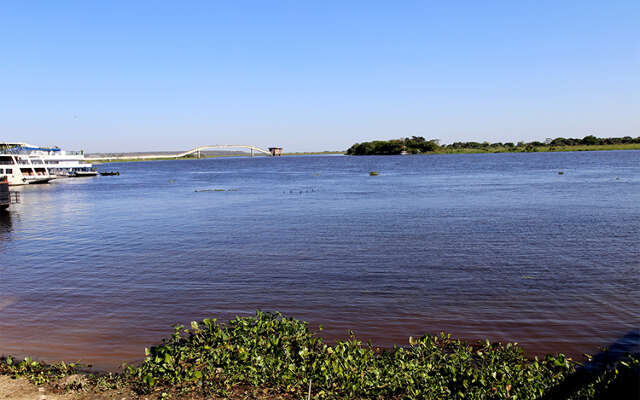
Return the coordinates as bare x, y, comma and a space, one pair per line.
21, 167
57, 161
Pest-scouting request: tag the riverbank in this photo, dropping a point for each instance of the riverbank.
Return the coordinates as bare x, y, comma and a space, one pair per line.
269, 356
108, 161
442, 150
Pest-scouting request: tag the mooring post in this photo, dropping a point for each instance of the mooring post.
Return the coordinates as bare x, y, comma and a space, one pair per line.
252, 152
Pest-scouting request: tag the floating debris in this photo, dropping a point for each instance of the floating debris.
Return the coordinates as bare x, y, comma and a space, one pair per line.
215, 190
301, 191
374, 173
560, 173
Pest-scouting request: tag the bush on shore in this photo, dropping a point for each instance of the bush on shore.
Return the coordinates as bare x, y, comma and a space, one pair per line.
272, 351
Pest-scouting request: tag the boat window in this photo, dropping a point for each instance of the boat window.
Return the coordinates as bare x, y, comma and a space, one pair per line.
1, 171
9, 171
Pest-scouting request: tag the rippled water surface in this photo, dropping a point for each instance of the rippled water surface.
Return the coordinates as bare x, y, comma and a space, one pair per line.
490, 245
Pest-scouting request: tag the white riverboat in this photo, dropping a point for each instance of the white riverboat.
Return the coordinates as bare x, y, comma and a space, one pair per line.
20, 167
58, 162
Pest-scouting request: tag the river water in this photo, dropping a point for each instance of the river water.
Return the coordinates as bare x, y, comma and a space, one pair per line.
498, 246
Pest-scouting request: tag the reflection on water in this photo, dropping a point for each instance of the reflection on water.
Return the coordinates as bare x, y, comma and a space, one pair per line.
5, 231
6, 302
498, 246
5, 226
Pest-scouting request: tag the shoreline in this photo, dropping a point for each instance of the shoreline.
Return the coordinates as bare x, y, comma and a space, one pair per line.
542, 149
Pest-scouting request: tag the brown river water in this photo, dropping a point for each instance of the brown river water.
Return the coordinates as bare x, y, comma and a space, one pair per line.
497, 246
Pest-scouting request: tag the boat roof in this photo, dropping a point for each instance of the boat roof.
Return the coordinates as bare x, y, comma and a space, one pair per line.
14, 144
25, 146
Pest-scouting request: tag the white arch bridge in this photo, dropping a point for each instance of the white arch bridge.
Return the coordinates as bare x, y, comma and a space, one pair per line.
273, 151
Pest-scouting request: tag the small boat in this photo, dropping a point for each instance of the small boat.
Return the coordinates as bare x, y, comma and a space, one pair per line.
83, 172
110, 173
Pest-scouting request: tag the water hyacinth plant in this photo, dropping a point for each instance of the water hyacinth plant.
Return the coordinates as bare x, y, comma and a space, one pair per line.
269, 350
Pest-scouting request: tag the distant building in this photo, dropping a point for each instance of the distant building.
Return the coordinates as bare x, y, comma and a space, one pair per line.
275, 151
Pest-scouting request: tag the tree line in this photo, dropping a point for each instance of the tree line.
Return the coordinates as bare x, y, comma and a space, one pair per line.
559, 141
418, 144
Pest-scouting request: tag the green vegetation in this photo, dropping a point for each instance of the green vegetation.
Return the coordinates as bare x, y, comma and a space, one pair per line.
417, 145
37, 372
282, 358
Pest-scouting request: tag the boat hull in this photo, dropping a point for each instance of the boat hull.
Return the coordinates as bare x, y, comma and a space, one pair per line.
38, 181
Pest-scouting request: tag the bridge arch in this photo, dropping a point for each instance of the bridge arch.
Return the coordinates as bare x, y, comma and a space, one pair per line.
224, 146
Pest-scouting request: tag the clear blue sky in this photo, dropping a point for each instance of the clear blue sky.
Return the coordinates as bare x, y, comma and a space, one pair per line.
315, 75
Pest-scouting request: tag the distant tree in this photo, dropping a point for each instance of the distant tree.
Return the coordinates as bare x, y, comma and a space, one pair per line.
560, 141
590, 140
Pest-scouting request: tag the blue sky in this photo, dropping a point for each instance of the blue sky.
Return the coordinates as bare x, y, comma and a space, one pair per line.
315, 75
